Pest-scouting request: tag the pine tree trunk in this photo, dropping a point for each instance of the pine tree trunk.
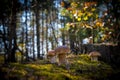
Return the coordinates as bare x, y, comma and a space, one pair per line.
12, 34
37, 29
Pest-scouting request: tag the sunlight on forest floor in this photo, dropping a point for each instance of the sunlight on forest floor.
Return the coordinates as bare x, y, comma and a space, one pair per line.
80, 68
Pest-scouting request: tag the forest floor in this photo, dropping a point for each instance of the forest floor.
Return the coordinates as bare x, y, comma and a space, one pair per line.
80, 67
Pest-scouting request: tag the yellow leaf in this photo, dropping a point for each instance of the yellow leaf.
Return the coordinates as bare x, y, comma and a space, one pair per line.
85, 8
80, 13
85, 18
93, 9
73, 4
97, 23
79, 19
73, 12
90, 14
96, 15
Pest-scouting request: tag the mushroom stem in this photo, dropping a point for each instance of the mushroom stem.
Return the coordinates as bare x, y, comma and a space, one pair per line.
51, 56
62, 59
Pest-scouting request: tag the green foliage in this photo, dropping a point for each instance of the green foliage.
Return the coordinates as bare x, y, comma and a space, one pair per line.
85, 14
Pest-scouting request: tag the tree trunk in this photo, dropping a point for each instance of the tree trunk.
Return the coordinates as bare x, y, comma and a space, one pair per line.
37, 29
42, 32
33, 36
47, 32
12, 34
26, 31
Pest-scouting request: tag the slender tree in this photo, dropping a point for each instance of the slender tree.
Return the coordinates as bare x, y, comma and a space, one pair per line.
37, 27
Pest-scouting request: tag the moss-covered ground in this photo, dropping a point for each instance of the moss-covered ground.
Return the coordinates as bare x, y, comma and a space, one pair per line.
80, 67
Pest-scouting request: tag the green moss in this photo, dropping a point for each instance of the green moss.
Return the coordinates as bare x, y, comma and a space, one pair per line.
12, 72
81, 68
52, 76
18, 73
17, 65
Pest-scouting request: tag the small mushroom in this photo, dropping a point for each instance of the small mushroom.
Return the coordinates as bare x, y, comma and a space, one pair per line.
94, 55
61, 52
51, 56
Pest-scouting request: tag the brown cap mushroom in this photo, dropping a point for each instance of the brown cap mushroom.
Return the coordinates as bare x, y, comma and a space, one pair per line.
62, 50
94, 54
51, 56
51, 53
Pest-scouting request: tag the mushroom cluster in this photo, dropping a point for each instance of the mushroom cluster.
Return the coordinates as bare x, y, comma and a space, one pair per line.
51, 56
61, 52
94, 55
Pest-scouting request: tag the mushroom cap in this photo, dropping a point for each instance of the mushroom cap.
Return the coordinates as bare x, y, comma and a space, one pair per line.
51, 53
62, 50
94, 54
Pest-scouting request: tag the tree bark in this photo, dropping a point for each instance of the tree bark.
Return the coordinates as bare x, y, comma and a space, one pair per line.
37, 29
12, 34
